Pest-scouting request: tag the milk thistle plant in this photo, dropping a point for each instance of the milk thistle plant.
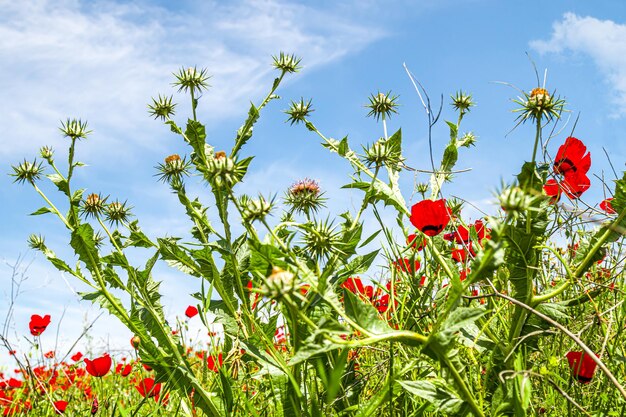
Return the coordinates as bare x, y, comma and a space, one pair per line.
520, 313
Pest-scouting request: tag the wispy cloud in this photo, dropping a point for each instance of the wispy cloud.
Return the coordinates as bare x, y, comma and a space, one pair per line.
104, 60
602, 40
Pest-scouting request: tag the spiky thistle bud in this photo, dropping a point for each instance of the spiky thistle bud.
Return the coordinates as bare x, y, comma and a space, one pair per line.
279, 284
382, 152
222, 169
93, 205
162, 107
539, 104
382, 104
74, 129
37, 242
117, 212
421, 188
287, 63
47, 153
27, 171
305, 197
298, 111
468, 140
320, 239
191, 79
255, 209
173, 169
462, 102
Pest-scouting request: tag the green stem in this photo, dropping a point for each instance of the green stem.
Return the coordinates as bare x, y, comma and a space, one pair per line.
465, 392
52, 207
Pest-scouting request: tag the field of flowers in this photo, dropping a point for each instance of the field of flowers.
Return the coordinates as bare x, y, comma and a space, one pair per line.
521, 313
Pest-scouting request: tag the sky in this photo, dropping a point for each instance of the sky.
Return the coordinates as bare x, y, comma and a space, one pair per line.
102, 61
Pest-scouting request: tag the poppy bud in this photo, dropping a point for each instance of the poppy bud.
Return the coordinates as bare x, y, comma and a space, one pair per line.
94, 406
135, 341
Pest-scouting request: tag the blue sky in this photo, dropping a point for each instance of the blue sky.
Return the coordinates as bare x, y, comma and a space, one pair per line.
102, 61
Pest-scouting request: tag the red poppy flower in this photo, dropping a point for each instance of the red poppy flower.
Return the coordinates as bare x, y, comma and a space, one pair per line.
146, 367
606, 206
147, 388
76, 357
582, 366
415, 243
15, 383
355, 286
38, 324
430, 217
99, 367
60, 406
575, 184
459, 255
49, 354
123, 370
572, 156
214, 363
405, 265
191, 311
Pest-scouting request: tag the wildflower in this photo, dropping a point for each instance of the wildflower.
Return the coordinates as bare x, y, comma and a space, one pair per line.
191, 311
462, 102
94, 205
286, 62
99, 367
356, 287
162, 107
117, 212
382, 104
49, 354
135, 341
539, 103
76, 357
415, 243
192, 80
147, 388
582, 366
123, 369
215, 362
304, 196
173, 169
572, 162
405, 265
27, 171
298, 111
572, 156
430, 217
279, 283
38, 324
606, 206
74, 129
60, 406
255, 209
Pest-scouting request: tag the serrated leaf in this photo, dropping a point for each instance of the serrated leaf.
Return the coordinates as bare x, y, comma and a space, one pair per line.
84, 246
435, 391
60, 182
365, 315
443, 340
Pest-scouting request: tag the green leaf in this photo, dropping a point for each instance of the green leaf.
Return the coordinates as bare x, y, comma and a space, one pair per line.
196, 135
454, 130
365, 315
370, 238
441, 342
435, 391
85, 247
343, 147
42, 210
244, 133
177, 257
60, 182
381, 192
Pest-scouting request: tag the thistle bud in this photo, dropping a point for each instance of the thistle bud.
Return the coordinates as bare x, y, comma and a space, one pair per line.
382, 104
27, 171
74, 129
255, 209
462, 102
162, 107
94, 205
37, 242
191, 79
279, 283
135, 341
46, 153
117, 212
298, 111
287, 63
304, 196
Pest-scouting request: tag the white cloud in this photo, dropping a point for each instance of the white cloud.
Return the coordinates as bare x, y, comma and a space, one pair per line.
102, 61
602, 40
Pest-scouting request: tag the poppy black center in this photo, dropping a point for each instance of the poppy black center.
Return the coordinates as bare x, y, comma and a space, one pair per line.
433, 228
564, 165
